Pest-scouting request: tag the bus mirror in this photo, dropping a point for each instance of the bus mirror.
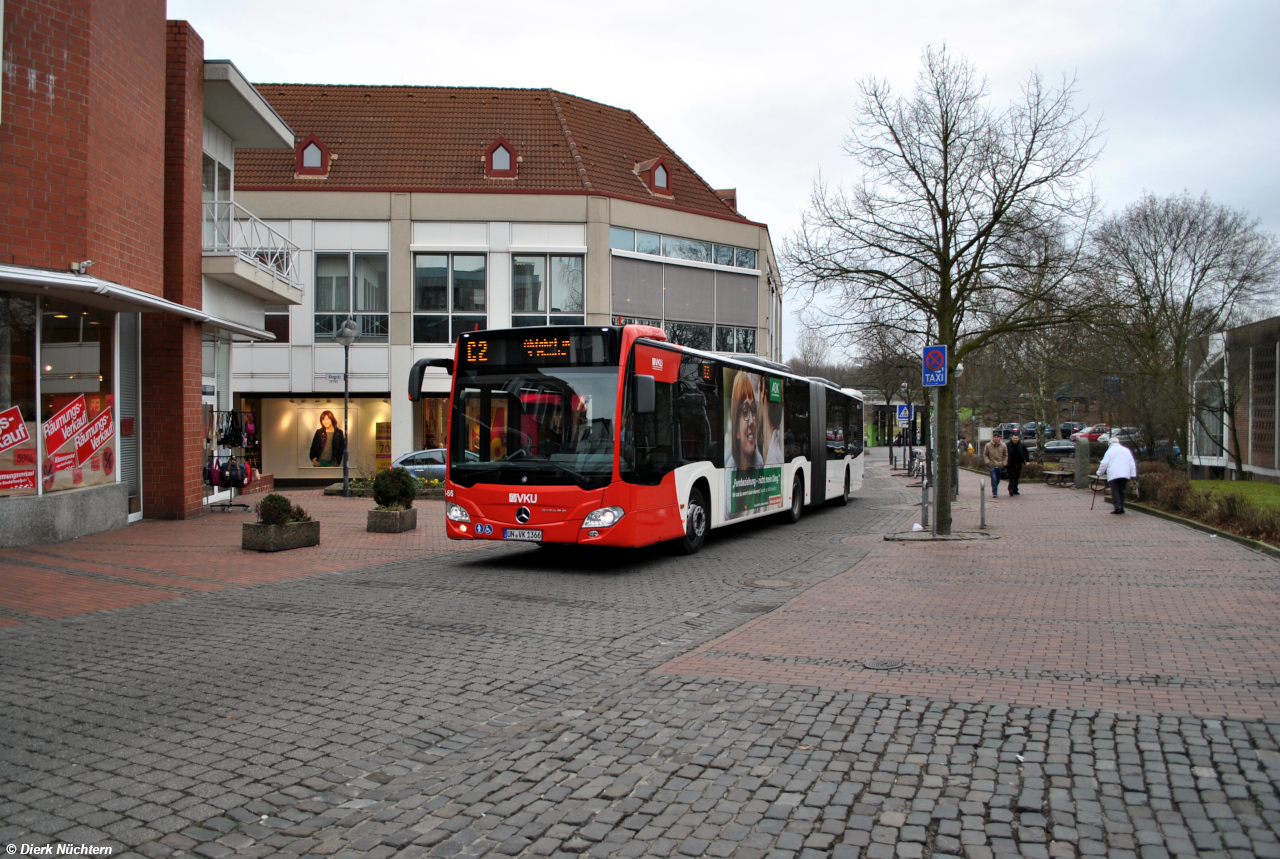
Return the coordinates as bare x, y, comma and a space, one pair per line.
419, 368
645, 395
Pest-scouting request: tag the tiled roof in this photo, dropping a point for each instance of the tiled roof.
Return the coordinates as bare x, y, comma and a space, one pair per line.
434, 138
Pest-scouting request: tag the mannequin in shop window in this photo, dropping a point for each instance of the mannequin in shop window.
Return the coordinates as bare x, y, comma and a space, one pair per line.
328, 443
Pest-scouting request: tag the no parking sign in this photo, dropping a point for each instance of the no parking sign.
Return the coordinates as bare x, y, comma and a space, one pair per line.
935, 366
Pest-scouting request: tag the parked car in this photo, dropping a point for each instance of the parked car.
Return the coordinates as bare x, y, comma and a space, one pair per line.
1005, 430
1031, 429
1059, 447
1091, 433
423, 463
1066, 428
1130, 436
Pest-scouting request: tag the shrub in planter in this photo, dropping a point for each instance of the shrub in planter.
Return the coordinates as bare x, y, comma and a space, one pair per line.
395, 489
283, 525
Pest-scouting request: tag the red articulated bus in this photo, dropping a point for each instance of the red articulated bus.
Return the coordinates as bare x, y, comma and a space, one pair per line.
611, 436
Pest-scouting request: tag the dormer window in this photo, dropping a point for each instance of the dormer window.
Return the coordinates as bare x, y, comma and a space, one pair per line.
501, 160
312, 158
655, 175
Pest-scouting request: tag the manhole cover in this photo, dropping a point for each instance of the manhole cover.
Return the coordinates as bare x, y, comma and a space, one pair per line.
881, 663
754, 608
771, 583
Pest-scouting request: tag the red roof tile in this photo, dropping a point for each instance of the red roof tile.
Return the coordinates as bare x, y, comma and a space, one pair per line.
434, 139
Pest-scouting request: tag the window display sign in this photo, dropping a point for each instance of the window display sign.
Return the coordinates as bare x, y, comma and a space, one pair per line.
64, 425
382, 445
10, 480
13, 429
320, 437
753, 443
94, 437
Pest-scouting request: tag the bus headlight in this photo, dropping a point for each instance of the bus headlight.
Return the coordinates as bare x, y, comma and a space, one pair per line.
456, 513
603, 518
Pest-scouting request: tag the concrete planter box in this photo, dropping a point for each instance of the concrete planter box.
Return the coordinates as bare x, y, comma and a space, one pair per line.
393, 521
261, 537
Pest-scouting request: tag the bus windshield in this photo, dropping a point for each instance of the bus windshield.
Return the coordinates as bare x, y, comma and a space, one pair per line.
533, 426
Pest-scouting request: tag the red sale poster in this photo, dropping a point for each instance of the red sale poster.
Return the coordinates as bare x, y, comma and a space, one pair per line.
64, 425
94, 436
17, 480
13, 429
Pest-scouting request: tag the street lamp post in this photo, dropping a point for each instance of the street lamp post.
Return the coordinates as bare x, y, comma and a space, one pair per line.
346, 335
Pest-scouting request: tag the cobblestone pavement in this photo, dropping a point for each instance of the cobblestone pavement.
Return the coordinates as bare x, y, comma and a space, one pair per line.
505, 701
153, 560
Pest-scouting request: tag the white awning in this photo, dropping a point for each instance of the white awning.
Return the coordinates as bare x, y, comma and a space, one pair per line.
97, 292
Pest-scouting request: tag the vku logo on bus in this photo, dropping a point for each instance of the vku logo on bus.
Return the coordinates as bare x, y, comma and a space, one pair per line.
523, 498
657, 364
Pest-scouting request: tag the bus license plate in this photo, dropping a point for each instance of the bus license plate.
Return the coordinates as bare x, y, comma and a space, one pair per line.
517, 534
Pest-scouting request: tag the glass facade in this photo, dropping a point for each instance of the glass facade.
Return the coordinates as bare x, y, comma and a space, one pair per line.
356, 285
450, 296
546, 290
19, 472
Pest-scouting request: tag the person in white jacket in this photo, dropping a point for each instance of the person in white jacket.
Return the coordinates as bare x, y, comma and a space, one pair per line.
1118, 467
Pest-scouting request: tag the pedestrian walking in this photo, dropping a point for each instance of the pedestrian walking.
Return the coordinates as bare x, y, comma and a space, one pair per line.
1117, 468
1018, 457
996, 457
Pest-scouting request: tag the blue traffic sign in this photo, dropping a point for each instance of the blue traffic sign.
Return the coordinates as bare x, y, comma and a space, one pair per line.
935, 366
904, 412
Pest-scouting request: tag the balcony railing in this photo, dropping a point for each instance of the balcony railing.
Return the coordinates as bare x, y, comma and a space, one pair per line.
229, 228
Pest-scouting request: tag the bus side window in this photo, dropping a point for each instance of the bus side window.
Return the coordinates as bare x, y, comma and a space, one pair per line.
796, 421
835, 424
698, 412
853, 427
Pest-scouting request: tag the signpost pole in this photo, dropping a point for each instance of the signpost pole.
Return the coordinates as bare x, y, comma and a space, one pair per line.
933, 371
933, 437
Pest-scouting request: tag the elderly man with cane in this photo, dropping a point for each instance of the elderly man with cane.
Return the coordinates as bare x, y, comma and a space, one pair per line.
1117, 468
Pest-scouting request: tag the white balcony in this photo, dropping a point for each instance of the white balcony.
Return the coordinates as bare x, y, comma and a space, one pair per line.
244, 253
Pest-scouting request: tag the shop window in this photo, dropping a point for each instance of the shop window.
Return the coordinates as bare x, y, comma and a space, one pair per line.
501, 160
275, 319
351, 284
77, 384
449, 296
547, 290
19, 425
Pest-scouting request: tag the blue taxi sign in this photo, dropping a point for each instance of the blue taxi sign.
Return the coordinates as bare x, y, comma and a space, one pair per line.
935, 366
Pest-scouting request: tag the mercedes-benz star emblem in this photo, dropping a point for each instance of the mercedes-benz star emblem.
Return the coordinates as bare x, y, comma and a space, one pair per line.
522, 515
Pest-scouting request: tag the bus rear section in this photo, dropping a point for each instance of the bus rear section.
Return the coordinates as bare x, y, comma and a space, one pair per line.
609, 436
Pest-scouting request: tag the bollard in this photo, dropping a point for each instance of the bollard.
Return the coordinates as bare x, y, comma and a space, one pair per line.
924, 502
982, 503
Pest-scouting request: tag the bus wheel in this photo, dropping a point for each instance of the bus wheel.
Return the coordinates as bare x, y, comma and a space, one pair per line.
696, 523
844, 496
796, 510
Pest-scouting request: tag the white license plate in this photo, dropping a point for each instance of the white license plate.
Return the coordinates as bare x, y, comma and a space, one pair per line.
517, 534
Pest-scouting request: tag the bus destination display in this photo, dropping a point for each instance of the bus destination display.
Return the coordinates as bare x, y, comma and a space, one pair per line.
541, 349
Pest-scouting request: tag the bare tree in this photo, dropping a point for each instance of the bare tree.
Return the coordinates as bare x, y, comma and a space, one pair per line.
812, 351
968, 221
1180, 269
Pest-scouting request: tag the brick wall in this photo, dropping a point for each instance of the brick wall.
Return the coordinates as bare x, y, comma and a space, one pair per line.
44, 133
184, 152
172, 423
126, 142
172, 418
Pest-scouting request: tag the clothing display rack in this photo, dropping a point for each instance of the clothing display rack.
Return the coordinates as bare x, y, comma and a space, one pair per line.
234, 430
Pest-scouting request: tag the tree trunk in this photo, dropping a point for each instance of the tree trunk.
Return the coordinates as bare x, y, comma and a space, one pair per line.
946, 442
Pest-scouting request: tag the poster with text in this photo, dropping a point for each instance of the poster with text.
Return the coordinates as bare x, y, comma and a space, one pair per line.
320, 434
753, 436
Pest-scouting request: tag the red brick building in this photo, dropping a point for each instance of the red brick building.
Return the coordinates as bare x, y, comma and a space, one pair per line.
126, 269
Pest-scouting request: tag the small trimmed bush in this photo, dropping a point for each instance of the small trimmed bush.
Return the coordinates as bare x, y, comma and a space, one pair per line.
395, 489
274, 509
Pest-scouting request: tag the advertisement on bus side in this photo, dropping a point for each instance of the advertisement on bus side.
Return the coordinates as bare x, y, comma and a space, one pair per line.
753, 437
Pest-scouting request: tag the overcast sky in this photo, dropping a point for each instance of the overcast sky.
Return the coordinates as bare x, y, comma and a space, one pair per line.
758, 95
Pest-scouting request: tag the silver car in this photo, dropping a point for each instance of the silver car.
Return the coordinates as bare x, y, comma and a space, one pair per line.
428, 464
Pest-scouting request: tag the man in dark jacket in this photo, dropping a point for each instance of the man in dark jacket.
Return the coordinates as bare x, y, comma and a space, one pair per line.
1018, 456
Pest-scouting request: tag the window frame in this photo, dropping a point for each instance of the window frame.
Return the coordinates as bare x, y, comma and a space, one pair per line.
450, 314
358, 315
550, 316
492, 172
300, 168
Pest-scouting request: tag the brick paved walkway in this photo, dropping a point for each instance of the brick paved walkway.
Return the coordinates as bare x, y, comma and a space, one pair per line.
155, 560
1072, 607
